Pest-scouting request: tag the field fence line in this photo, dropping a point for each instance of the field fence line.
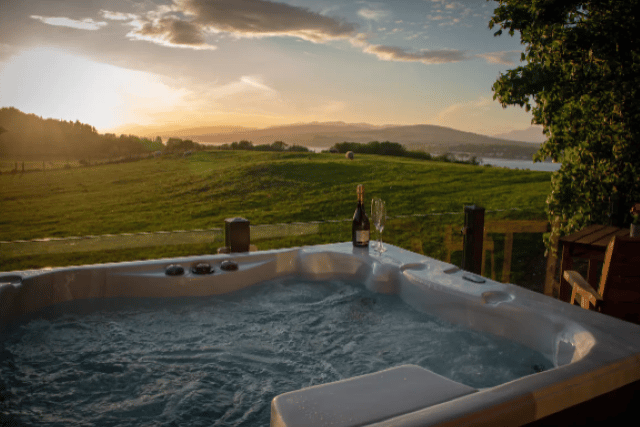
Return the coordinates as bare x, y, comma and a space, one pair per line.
89, 243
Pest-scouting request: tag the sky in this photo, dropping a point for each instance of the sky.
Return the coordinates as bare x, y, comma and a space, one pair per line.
176, 64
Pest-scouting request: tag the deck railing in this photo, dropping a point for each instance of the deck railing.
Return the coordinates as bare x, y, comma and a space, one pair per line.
512, 248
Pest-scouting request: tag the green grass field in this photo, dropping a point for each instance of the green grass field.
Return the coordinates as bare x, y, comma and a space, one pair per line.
200, 191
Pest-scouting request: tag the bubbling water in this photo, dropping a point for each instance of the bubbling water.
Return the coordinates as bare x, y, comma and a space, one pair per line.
220, 360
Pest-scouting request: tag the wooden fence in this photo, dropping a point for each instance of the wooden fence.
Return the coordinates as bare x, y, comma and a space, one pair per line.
453, 240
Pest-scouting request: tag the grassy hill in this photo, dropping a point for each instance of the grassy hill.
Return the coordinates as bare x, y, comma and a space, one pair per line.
174, 192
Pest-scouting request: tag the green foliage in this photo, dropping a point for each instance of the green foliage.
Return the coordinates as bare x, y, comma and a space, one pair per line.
149, 145
581, 81
395, 149
278, 146
298, 148
177, 144
275, 146
374, 147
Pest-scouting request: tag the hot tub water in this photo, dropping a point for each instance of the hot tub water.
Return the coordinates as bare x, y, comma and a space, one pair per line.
220, 360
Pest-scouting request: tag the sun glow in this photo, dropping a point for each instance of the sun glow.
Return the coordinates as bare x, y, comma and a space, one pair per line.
56, 84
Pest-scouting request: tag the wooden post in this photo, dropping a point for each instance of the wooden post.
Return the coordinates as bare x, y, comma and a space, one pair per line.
448, 242
508, 250
552, 260
564, 292
473, 233
615, 215
237, 234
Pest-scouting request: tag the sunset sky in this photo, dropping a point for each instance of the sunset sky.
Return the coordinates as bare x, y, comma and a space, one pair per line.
257, 63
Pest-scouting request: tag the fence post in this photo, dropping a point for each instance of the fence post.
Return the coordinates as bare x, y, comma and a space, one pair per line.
615, 217
550, 283
473, 232
236, 235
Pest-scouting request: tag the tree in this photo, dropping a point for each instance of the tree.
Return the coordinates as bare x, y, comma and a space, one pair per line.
157, 144
173, 144
581, 81
278, 146
242, 145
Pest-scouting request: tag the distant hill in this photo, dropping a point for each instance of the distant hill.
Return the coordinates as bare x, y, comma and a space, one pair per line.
430, 138
29, 135
531, 134
168, 131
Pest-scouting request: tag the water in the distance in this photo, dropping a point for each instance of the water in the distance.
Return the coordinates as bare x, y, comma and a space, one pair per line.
220, 360
521, 164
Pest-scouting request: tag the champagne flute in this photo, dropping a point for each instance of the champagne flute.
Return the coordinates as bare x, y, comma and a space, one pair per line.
375, 220
378, 214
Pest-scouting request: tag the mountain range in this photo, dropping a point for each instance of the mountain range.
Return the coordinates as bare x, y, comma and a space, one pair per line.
430, 138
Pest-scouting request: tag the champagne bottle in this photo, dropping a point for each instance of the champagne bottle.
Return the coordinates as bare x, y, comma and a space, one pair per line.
360, 227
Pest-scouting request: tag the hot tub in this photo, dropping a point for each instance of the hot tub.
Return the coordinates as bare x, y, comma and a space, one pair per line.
596, 358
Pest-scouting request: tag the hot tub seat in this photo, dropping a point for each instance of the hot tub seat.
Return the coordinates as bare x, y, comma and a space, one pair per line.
365, 399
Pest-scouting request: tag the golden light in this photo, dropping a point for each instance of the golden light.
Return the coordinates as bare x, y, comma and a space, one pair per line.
54, 83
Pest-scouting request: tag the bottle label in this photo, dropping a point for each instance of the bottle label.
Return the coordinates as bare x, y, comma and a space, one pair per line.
362, 236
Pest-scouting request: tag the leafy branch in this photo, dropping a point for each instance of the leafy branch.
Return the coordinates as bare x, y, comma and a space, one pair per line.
581, 81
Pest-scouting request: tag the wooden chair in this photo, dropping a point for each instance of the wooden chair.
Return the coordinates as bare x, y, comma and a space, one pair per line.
618, 293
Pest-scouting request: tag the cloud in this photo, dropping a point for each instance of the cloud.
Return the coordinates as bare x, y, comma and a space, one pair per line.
247, 88
508, 57
360, 40
473, 108
118, 16
170, 31
60, 21
374, 15
453, 4
254, 82
450, 12
6, 51
185, 23
392, 53
246, 95
261, 18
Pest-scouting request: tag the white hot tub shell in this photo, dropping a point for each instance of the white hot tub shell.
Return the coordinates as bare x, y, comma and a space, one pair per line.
594, 355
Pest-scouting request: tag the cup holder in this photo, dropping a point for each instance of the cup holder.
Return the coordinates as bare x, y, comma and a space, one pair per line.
202, 268
496, 297
228, 265
473, 278
174, 270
